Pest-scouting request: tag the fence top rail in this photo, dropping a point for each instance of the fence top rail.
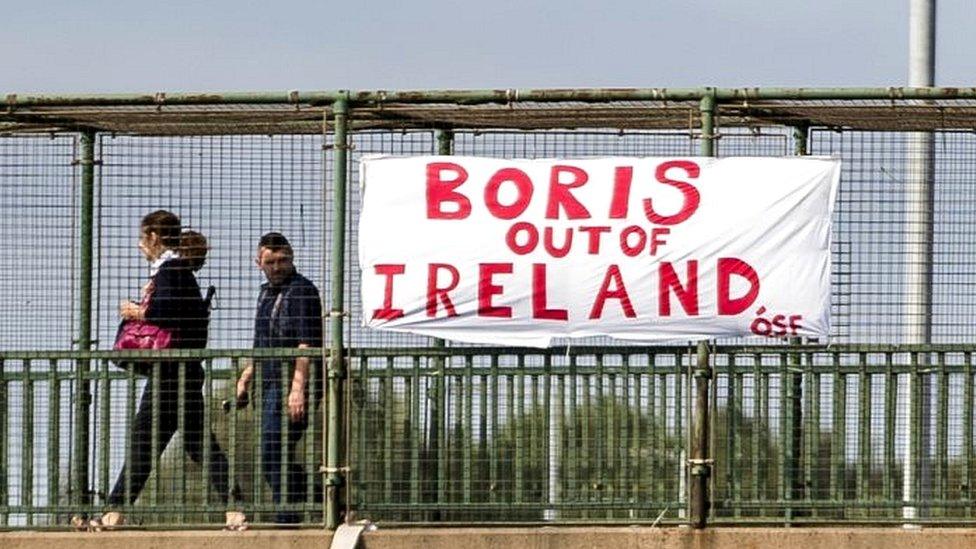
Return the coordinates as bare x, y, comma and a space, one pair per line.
501, 95
583, 350
295, 112
163, 355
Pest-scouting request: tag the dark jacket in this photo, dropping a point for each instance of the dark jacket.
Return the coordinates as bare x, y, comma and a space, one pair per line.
176, 305
287, 316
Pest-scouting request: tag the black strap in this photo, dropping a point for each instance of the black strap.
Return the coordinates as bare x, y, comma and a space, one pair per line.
208, 301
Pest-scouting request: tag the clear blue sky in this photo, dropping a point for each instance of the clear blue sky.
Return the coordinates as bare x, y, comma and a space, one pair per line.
99, 46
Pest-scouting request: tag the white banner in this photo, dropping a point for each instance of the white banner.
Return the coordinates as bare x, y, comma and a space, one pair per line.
515, 252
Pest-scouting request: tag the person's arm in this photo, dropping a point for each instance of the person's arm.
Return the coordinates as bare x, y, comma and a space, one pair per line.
130, 310
296, 397
244, 382
309, 315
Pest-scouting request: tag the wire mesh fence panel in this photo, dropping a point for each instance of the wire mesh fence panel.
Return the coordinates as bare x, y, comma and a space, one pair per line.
233, 189
39, 227
363, 144
870, 289
166, 446
527, 437
827, 437
594, 430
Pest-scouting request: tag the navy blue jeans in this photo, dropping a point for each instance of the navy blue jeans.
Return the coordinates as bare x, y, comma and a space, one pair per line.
292, 488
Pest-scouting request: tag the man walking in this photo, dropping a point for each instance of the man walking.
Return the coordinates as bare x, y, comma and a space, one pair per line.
289, 315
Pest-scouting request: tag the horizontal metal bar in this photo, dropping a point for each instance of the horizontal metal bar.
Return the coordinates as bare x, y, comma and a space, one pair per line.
469, 506
613, 372
663, 350
162, 508
583, 350
840, 504
657, 505
165, 355
112, 375
501, 95
844, 523
725, 521
380, 371
169, 527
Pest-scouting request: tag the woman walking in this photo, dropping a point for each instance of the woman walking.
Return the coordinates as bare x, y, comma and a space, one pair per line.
170, 301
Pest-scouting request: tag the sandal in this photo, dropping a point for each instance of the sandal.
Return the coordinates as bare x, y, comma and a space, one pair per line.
80, 523
109, 521
236, 521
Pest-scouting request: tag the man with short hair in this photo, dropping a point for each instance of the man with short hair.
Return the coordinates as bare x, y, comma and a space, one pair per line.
289, 315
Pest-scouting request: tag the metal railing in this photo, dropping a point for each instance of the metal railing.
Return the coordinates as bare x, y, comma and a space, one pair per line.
412, 430
194, 432
603, 435
800, 434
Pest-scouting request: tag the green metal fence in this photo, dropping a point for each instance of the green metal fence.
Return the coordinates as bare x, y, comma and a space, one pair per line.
38, 459
876, 427
800, 435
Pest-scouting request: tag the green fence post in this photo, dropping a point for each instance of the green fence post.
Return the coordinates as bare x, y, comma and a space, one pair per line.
785, 457
796, 485
699, 463
104, 432
838, 444
445, 147
4, 446
53, 436
79, 463
966, 488
942, 434
337, 370
27, 444
863, 481
415, 432
890, 425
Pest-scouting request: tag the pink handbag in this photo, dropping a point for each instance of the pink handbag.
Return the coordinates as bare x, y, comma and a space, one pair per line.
137, 334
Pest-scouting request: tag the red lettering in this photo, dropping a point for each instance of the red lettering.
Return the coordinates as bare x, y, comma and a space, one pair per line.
522, 184
620, 292
440, 190
487, 289
551, 246
625, 245
728, 266
594, 241
687, 296
560, 194
779, 323
655, 242
539, 302
532, 238
620, 204
795, 323
387, 312
435, 293
690, 193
